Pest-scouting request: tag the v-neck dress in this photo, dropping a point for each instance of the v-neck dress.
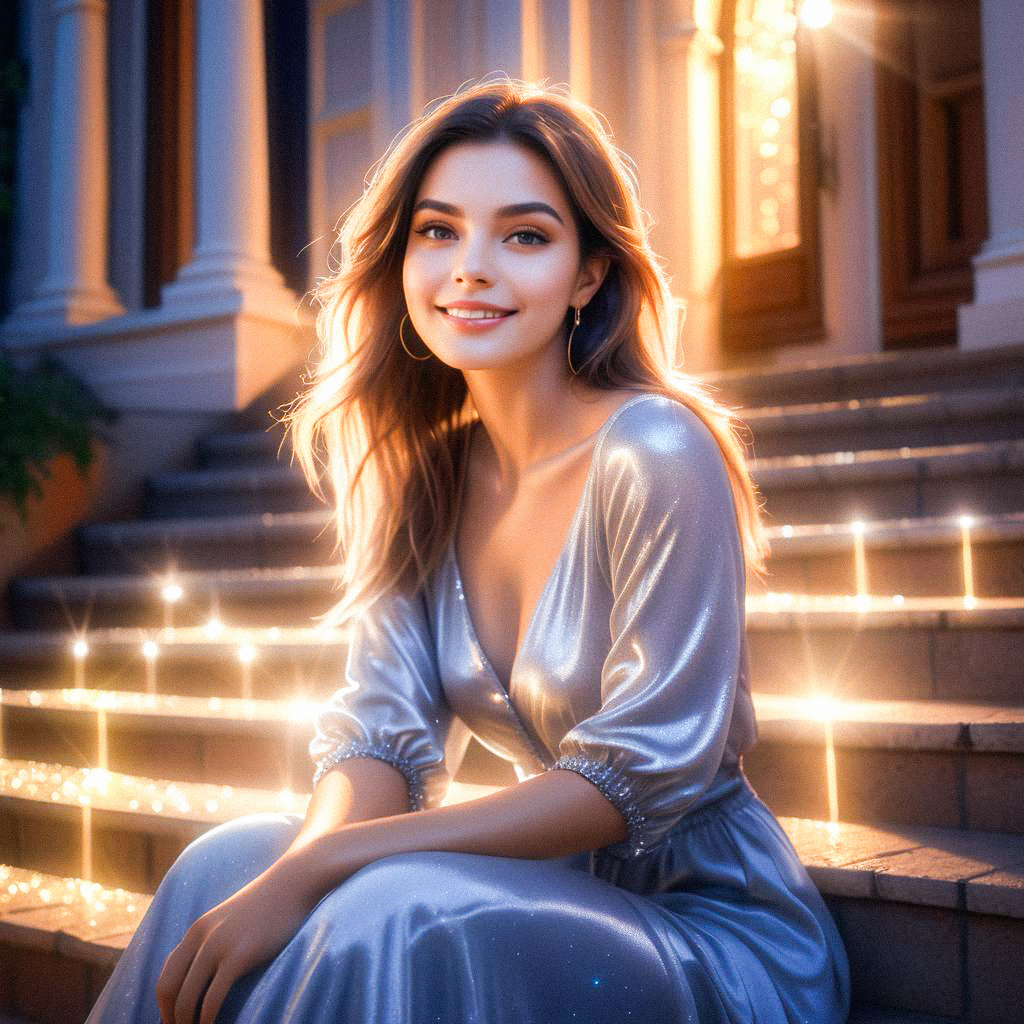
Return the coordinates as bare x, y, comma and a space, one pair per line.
633, 673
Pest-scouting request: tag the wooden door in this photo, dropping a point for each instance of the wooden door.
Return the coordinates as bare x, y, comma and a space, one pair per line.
931, 165
771, 280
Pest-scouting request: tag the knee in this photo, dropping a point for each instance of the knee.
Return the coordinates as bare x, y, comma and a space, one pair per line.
249, 844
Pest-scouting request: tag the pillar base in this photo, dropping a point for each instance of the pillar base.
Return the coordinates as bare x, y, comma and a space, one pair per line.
55, 310
213, 284
169, 361
996, 317
991, 324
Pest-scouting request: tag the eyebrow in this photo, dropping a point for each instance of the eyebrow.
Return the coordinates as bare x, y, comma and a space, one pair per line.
515, 210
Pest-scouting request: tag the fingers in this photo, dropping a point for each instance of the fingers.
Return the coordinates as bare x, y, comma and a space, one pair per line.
173, 974
227, 974
204, 965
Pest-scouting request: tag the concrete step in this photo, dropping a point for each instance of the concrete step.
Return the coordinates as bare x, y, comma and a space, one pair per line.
944, 763
893, 647
255, 597
933, 919
136, 824
985, 477
215, 542
276, 662
911, 556
911, 648
982, 478
121, 829
53, 927
870, 376
894, 421
912, 762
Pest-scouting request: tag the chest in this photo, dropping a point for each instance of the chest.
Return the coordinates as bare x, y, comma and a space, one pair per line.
508, 546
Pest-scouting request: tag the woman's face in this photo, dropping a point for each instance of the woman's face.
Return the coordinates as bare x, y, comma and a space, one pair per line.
468, 244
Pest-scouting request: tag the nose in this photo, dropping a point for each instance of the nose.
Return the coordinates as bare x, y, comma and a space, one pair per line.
470, 263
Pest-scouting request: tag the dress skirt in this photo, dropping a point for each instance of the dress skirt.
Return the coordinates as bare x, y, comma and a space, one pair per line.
719, 923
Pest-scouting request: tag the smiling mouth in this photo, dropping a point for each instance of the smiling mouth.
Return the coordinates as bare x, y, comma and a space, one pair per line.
476, 314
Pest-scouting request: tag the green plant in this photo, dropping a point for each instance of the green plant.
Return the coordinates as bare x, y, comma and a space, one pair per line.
45, 411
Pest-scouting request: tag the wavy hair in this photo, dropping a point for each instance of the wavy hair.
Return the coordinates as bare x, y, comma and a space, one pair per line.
390, 432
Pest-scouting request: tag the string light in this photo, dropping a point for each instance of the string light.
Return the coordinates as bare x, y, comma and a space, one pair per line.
765, 128
79, 651
171, 593
817, 14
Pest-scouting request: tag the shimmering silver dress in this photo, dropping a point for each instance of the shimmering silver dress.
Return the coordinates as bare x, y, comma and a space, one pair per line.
633, 673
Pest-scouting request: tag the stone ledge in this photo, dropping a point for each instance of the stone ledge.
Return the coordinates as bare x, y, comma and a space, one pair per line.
69, 916
939, 407
878, 724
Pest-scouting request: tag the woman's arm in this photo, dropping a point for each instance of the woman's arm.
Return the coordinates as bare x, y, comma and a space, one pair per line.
356, 789
551, 815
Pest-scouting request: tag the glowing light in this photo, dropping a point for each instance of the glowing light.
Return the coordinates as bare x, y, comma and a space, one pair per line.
79, 650
967, 560
214, 628
246, 653
817, 14
860, 560
825, 709
172, 592
150, 651
87, 842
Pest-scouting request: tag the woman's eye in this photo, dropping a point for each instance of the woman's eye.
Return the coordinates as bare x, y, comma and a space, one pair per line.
431, 227
536, 237
531, 234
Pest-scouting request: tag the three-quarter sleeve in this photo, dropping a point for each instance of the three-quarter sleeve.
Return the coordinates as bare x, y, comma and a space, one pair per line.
392, 706
674, 563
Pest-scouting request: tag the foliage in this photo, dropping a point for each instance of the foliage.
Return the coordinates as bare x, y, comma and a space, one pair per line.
45, 411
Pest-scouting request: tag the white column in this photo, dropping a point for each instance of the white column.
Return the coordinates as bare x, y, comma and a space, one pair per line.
231, 261
74, 289
996, 317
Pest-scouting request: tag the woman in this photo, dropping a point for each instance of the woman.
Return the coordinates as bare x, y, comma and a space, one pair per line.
544, 531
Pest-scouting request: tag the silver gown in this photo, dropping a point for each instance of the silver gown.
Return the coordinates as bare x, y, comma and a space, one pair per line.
633, 673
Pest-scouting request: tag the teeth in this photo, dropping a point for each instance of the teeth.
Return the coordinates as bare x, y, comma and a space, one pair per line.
474, 314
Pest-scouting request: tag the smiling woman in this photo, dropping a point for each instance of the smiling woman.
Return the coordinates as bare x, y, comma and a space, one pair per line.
545, 532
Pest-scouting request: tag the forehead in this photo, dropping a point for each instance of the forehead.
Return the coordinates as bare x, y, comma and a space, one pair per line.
482, 176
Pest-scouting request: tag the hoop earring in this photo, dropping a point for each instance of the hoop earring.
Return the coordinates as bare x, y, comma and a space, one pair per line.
568, 350
401, 338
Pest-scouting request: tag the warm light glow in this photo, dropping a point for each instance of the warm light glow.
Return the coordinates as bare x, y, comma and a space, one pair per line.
817, 14
80, 649
172, 592
214, 628
246, 653
860, 560
764, 129
150, 650
822, 708
967, 560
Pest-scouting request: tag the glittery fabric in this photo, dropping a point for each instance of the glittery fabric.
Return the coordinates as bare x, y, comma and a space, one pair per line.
633, 673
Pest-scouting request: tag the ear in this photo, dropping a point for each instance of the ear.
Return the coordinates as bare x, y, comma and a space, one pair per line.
591, 277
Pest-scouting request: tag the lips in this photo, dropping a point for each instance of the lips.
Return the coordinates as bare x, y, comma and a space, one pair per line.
476, 309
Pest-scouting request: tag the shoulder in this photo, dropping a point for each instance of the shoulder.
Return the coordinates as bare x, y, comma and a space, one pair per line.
655, 436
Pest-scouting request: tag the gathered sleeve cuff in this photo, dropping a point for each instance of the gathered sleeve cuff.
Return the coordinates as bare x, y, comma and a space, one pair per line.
392, 706
674, 564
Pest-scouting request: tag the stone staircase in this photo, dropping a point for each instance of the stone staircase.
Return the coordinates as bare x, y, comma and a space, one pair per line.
887, 699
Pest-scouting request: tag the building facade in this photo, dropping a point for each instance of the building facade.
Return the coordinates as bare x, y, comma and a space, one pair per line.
819, 191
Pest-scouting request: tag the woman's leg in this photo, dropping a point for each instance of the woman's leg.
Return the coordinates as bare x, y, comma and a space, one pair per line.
441, 936
208, 871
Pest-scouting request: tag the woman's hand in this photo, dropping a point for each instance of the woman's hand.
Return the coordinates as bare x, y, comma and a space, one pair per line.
246, 930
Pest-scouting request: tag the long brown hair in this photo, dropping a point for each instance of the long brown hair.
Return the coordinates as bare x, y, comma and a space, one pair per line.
389, 431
